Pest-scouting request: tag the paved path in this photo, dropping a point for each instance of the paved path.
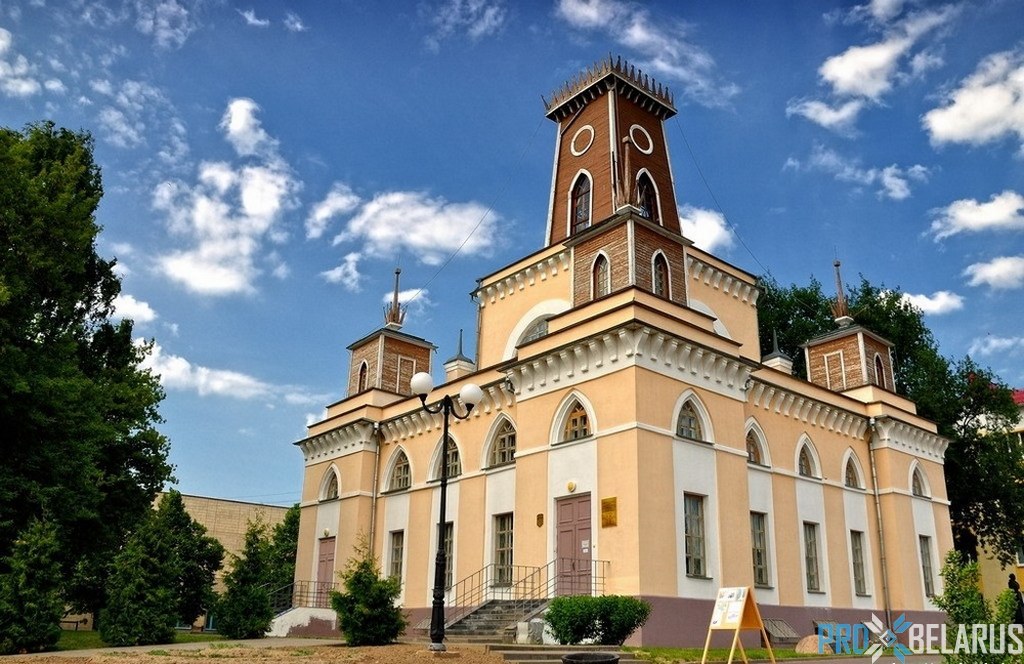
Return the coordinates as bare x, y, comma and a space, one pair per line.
268, 642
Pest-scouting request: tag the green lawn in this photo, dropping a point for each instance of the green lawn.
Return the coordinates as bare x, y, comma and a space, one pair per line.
82, 640
714, 654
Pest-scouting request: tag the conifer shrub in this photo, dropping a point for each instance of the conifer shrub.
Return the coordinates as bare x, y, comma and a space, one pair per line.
30, 601
367, 614
243, 611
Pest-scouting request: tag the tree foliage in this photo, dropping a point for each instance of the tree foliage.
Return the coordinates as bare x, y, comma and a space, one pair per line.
71, 386
367, 614
284, 544
970, 405
195, 556
243, 610
30, 602
963, 602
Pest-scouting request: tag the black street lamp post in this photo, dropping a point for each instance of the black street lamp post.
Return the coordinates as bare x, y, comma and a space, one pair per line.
470, 395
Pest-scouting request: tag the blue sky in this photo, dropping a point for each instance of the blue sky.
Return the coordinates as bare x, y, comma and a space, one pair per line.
268, 164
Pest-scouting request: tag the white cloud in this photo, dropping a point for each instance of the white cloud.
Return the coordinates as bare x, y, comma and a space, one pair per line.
936, 304
230, 212
55, 85
988, 105
347, 273
663, 45
707, 228
1003, 273
340, 200
864, 71
120, 130
885, 10
135, 109
416, 300
126, 306
251, 19
16, 74
839, 118
167, 21
990, 345
293, 23
431, 228
473, 18
1003, 211
893, 181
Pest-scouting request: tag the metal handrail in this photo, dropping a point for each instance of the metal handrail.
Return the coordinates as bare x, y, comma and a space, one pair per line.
305, 594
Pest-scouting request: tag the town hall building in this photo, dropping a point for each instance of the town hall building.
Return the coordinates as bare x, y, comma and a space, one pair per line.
633, 438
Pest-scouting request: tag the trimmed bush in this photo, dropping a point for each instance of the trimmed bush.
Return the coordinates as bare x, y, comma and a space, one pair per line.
30, 601
608, 620
367, 614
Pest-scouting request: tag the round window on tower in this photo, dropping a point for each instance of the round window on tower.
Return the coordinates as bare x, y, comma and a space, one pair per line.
641, 139
581, 140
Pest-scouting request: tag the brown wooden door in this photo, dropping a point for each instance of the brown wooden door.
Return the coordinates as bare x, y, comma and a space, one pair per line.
324, 574
573, 545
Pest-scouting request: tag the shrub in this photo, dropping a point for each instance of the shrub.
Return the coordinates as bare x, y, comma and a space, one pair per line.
963, 602
608, 620
243, 611
366, 609
30, 601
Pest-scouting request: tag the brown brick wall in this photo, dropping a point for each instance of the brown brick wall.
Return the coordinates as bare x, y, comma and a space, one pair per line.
656, 163
850, 348
615, 243
648, 242
873, 347
368, 353
397, 351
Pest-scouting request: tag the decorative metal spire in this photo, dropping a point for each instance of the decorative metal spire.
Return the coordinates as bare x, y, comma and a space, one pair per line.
394, 313
840, 309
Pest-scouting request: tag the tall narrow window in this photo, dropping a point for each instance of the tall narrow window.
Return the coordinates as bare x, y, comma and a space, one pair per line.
503, 450
580, 204
363, 370
811, 556
688, 424
331, 490
577, 424
754, 449
759, 547
659, 276
397, 551
400, 476
917, 483
503, 549
860, 585
693, 511
852, 479
449, 550
879, 372
806, 463
926, 565
646, 199
451, 459
602, 277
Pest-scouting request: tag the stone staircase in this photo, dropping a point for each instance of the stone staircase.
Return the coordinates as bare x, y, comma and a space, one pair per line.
525, 654
494, 621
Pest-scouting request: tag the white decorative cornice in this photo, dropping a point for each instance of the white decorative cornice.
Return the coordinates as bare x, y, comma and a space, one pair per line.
497, 397
897, 435
721, 280
342, 441
809, 411
519, 280
630, 346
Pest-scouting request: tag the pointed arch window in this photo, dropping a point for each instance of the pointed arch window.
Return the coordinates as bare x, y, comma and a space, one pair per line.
917, 484
577, 423
851, 476
805, 463
602, 277
331, 488
503, 451
754, 449
688, 424
580, 204
401, 477
363, 376
659, 276
647, 198
451, 459
879, 372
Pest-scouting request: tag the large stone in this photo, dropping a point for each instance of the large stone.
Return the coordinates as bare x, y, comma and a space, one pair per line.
809, 646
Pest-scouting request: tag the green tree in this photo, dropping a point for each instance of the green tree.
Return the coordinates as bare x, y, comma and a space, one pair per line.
284, 543
30, 602
963, 602
243, 610
71, 386
141, 605
969, 404
196, 557
367, 614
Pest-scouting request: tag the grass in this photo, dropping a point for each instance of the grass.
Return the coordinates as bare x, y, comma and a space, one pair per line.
662, 655
83, 640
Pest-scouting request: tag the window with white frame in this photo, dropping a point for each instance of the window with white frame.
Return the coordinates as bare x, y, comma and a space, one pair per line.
503, 450
852, 477
754, 449
449, 551
659, 276
453, 464
860, 583
503, 549
331, 489
811, 557
602, 277
917, 483
693, 525
400, 478
580, 204
577, 423
805, 463
927, 572
688, 423
759, 548
397, 552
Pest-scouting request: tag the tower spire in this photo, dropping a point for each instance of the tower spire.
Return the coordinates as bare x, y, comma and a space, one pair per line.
840, 309
394, 313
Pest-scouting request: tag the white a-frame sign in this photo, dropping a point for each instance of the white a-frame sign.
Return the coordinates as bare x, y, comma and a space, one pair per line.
736, 610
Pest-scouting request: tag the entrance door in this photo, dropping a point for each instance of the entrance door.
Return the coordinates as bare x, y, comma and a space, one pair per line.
324, 574
573, 545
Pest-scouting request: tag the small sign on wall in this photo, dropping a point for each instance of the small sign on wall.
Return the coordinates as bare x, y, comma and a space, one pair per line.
609, 512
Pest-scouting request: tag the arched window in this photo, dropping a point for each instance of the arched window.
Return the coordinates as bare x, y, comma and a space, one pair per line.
805, 465
879, 372
535, 331
363, 370
917, 484
503, 450
451, 460
754, 449
330, 489
580, 204
851, 476
401, 477
646, 198
659, 276
602, 277
688, 424
577, 423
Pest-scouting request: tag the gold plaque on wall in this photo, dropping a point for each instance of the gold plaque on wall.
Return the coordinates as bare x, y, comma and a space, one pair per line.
609, 512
